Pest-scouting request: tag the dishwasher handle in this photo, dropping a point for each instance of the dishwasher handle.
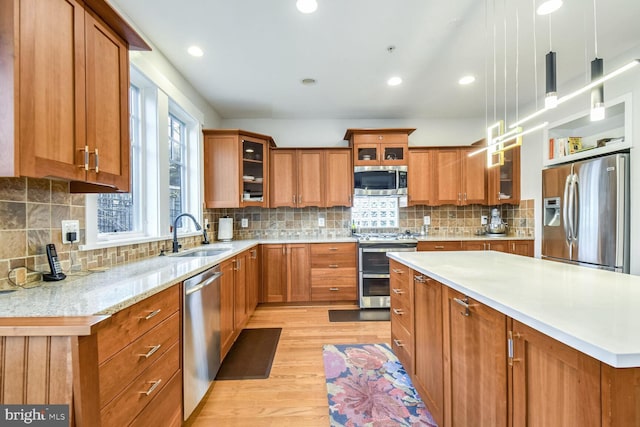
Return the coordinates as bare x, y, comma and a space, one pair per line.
204, 284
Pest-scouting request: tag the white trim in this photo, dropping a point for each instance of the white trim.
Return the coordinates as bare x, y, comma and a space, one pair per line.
132, 241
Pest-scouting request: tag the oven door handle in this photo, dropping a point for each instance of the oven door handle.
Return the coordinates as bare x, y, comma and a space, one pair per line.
375, 276
388, 249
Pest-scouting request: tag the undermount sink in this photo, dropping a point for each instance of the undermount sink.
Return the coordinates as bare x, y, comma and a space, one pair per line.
204, 252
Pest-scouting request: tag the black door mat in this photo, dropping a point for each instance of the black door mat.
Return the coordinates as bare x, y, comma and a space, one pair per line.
362, 315
251, 355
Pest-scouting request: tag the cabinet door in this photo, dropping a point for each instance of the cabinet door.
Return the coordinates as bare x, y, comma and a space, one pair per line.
274, 273
420, 176
282, 179
521, 247
504, 181
498, 245
393, 153
365, 153
254, 167
474, 245
252, 278
338, 178
429, 365
475, 354
227, 329
310, 177
240, 312
474, 181
107, 77
446, 245
221, 171
298, 284
52, 129
553, 384
446, 165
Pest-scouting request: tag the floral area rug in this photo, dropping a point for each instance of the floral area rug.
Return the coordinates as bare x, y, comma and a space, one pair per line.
367, 386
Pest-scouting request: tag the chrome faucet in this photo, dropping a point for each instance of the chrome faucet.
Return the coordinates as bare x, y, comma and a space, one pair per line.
176, 245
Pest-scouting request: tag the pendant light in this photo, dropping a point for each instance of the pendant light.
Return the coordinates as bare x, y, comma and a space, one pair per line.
597, 71
551, 94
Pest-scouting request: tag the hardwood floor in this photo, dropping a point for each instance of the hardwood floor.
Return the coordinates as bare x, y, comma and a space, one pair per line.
295, 393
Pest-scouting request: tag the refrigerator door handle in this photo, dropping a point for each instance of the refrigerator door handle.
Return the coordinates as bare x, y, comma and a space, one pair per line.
565, 211
574, 205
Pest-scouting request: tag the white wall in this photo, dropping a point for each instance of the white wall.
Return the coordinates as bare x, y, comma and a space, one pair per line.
532, 149
330, 132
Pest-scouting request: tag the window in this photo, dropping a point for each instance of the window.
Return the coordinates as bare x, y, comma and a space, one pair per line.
117, 212
165, 170
177, 142
375, 212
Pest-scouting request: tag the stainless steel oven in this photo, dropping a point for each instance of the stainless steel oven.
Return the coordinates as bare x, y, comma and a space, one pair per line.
373, 266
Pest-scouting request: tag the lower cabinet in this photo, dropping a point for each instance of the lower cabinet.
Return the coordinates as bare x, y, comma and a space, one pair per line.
517, 247
553, 384
285, 273
445, 245
428, 358
333, 272
402, 340
486, 245
475, 356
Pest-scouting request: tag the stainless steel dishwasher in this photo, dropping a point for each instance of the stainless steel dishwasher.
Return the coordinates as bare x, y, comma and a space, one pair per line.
201, 335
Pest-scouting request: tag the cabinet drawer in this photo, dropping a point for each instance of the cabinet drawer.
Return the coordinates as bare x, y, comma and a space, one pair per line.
128, 404
400, 138
127, 325
402, 346
116, 372
332, 282
166, 408
320, 274
401, 313
335, 292
440, 246
319, 249
324, 255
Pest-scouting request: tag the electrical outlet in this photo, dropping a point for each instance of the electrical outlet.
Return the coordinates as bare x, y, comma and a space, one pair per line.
320, 222
70, 226
426, 220
244, 222
483, 220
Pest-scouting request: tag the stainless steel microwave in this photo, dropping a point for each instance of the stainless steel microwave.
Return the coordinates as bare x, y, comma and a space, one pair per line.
380, 180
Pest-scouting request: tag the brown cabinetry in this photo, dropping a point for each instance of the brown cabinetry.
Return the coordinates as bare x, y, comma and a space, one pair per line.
504, 180
285, 273
517, 247
401, 302
458, 179
521, 247
310, 177
373, 147
66, 97
333, 272
236, 168
139, 356
428, 356
475, 354
445, 245
420, 176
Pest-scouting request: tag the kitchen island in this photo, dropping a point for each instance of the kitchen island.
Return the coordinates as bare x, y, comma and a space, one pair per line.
499, 339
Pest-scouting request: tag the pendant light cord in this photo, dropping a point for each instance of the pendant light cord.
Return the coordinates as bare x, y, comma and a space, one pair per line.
504, 15
595, 29
535, 55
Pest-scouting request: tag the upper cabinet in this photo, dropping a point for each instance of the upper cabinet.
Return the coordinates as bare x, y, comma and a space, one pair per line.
236, 168
64, 98
420, 176
577, 137
504, 180
459, 179
372, 147
310, 177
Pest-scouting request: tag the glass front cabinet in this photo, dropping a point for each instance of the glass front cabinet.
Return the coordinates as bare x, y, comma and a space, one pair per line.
374, 147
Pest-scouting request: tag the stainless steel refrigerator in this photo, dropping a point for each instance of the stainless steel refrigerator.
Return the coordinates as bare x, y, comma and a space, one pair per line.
586, 212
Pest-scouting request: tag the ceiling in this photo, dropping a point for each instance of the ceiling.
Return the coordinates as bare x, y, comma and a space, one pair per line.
256, 53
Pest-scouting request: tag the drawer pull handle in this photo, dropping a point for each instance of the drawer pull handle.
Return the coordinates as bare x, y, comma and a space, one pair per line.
150, 353
398, 311
334, 289
419, 279
333, 265
398, 343
154, 385
333, 249
439, 247
398, 291
152, 314
398, 271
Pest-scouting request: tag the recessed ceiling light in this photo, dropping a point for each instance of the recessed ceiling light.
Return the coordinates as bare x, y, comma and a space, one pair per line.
308, 81
549, 6
195, 51
467, 80
394, 81
307, 6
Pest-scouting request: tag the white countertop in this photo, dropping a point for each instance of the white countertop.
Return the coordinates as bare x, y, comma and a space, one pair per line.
594, 311
467, 237
110, 291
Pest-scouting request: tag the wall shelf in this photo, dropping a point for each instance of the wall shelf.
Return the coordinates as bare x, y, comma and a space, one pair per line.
617, 123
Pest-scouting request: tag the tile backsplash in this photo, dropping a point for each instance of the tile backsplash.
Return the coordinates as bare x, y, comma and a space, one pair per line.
31, 211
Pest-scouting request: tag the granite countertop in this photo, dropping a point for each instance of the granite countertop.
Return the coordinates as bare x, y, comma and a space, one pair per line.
467, 237
593, 311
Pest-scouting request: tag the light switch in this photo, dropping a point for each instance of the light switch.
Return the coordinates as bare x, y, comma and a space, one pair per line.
483, 220
244, 222
320, 222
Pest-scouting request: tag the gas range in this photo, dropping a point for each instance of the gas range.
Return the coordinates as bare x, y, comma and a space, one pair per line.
386, 237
